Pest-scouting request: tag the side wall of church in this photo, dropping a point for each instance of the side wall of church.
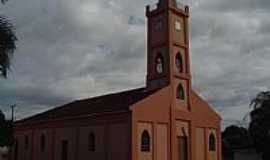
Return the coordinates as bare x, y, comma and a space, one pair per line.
102, 138
205, 147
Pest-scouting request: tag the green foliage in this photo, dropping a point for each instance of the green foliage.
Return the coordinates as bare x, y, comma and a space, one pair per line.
235, 137
3, 1
7, 43
6, 131
259, 127
2, 116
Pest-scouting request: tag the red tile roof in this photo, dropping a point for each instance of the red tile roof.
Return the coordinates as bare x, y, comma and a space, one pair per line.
108, 103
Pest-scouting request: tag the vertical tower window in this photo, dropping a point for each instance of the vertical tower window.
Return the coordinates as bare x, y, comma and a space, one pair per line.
212, 142
145, 141
91, 142
180, 93
159, 64
26, 142
42, 143
179, 62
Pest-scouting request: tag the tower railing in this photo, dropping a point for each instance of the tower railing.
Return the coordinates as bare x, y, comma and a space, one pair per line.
153, 7
180, 5
176, 4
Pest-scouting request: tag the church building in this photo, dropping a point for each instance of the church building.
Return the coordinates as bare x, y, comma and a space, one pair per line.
165, 120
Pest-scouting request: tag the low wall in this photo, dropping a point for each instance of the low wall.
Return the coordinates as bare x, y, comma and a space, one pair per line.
247, 154
4, 153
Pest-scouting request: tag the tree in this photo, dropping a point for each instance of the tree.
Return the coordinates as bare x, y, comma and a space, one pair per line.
7, 44
6, 131
259, 127
235, 137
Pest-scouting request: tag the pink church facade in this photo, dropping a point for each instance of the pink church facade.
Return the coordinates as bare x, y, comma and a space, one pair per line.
165, 120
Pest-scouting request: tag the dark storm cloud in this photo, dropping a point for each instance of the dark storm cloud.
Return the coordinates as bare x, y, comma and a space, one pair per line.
136, 20
69, 51
32, 95
237, 5
230, 53
79, 48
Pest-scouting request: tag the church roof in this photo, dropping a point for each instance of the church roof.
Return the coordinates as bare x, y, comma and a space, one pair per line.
107, 103
200, 106
115, 102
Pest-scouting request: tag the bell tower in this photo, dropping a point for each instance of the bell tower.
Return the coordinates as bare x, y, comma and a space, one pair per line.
168, 48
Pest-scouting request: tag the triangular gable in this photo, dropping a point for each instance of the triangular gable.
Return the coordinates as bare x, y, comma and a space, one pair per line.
200, 106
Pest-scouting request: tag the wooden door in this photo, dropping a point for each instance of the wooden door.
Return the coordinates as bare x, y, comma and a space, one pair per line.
182, 147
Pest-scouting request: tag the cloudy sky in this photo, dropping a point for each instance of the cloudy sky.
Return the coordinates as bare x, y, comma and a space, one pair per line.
73, 49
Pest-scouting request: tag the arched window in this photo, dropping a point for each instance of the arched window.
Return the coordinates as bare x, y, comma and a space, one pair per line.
145, 141
26, 142
180, 93
212, 142
42, 143
16, 149
159, 63
64, 150
92, 142
179, 62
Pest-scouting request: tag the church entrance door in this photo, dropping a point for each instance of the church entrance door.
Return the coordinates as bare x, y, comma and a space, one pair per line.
182, 147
